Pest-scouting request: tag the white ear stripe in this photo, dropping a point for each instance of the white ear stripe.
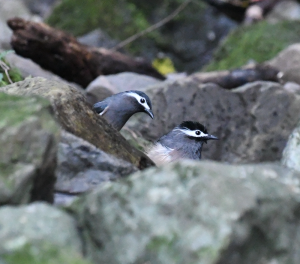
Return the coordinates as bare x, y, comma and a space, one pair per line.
138, 98
192, 133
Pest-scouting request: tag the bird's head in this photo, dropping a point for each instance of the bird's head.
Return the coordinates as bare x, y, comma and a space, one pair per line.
141, 102
194, 131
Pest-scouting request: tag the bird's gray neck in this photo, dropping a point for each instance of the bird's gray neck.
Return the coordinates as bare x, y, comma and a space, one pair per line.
118, 118
119, 112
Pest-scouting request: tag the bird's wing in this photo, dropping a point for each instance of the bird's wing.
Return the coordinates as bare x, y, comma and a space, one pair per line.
101, 107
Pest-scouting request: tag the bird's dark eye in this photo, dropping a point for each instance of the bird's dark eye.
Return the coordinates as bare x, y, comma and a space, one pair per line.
197, 132
142, 100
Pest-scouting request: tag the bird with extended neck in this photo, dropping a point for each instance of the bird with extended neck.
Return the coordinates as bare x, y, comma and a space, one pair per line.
183, 142
118, 108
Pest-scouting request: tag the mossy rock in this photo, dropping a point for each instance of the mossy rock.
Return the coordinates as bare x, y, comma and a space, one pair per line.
39, 234
258, 42
28, 137
48, 255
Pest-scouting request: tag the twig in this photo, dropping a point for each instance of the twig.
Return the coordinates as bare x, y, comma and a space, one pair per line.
5, 68
153, 27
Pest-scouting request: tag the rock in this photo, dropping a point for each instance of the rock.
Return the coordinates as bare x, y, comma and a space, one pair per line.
75, 116
81, 166
253, 122
38, 233
291, 153
28, 138
105, 86
284, 10
9, 9
135, 138
292, 87
97, 38
194, 212
41, 8
288, 62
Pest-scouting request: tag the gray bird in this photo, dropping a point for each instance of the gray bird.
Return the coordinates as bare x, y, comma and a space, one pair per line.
118, 108
184, 141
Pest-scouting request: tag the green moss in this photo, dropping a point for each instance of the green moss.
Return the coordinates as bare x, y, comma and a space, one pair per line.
43, 255
259, 42
118, 18
15, 109
6, 170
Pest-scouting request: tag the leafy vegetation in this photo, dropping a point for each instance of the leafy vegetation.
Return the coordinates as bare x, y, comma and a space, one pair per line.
7, 73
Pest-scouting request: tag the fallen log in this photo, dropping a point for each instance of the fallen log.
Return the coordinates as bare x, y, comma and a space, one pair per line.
235, 78
62, 54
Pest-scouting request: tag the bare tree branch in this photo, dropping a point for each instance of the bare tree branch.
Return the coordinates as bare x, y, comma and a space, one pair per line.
153, 27
5, 69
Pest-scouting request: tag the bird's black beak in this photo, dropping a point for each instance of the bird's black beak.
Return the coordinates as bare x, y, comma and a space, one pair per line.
149, 112
208, 137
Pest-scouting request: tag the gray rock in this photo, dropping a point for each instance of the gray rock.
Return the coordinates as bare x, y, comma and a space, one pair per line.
288, 62
38, 233
81, 166
75, 115
253, 122
291, 153
195, 212
10, 9
97, 38
41, 8
29, 138
105, 86
292, 87
284, 10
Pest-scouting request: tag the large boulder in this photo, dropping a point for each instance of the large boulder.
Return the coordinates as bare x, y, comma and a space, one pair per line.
38, 233
105, 86
28, 138
284, 10
76, 116
253, 122
194, 212
82, 166
288, 62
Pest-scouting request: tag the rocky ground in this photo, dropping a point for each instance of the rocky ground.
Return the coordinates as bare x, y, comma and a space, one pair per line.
73, 190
